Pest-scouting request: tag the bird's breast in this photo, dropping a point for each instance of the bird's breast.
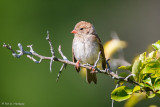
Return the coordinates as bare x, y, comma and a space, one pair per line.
85, 50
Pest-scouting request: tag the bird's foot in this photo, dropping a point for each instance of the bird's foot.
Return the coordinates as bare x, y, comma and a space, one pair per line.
93, 70
77, 64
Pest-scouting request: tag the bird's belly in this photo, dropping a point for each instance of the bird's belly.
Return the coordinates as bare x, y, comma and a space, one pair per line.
86, 52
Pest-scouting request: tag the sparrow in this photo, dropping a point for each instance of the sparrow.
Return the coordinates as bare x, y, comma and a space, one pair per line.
86, 46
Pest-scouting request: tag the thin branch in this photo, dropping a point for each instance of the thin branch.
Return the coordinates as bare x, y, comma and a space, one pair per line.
65, 61
60, 71
106, 71
8, 47
52, 59
50, 43
115, 88
20, 52
129, 76
64, 64
60, 51
52, 50
99, 54
34, 60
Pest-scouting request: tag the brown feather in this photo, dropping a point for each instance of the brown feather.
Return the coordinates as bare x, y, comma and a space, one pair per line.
103, 56
91, 77
101, 49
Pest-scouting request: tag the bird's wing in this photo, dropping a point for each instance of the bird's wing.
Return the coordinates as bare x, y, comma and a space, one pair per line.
102, 51
103, 56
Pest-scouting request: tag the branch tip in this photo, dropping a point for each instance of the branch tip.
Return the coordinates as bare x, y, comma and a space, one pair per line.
52, 59
47, 38
60, 71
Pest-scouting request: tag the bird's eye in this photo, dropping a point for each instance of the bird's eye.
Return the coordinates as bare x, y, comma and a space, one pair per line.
81, 28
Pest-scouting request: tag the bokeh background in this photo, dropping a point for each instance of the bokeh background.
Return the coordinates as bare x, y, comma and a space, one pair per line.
26, 22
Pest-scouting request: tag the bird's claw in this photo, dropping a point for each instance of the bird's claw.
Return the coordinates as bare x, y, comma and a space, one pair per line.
93, 70
77, 64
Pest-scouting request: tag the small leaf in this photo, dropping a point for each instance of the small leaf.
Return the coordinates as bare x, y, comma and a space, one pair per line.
148, 69
123, 74
152, 67
129, 90
121, 93
150, 94
136, 88
136, 69
142, 57
157, 84
158, 94
152, 54
157, 74
121, 83
141, 84
157, 45
147, 82
125, 68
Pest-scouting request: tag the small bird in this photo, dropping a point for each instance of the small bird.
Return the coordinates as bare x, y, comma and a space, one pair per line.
86, 47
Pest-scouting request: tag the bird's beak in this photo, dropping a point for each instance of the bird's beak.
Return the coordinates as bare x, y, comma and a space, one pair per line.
74, 31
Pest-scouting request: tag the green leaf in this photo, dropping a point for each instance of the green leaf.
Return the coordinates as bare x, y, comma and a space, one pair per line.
158, 93
121, 93
157, 45
157, 74
136, 88
152, 54
125, 68
148, 69
141, 84
123, 74
152, 67
142, 57
148, 82
129, 90
157, 84
150, 94
136, 69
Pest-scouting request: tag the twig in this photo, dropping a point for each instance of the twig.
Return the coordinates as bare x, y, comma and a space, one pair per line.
21, 51
60, 71
50, 43
126, 79
115, 88
64, 64
95, 64
60, 51
52, 50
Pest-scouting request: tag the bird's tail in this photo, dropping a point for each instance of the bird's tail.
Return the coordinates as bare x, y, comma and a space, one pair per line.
91, 77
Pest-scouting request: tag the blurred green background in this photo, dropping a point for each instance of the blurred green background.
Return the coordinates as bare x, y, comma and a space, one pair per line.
26, 22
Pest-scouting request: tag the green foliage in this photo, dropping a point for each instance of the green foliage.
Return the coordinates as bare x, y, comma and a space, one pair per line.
125, 68
121, 93
157, 45
146, 70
